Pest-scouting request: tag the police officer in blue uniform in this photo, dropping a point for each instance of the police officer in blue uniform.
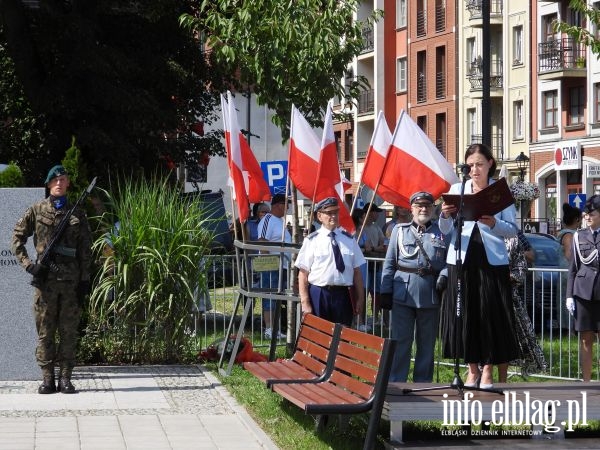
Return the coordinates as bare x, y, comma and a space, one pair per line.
329, 267
413, 267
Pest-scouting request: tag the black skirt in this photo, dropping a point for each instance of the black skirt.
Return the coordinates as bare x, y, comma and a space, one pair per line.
486, 322
587, 315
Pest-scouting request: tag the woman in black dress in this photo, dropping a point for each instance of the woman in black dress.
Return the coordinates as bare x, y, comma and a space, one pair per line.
486, 334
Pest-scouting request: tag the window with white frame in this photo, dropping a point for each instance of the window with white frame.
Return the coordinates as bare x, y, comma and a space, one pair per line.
470, 54
400, 13
518, 119
518, 45
550, 109
471, 125
401, 74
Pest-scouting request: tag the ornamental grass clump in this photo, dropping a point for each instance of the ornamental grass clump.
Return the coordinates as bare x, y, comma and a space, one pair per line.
144, 292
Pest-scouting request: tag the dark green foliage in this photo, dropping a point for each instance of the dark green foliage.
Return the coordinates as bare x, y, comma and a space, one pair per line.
121, 77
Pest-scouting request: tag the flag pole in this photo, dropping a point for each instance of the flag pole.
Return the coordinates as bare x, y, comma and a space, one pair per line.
387, 158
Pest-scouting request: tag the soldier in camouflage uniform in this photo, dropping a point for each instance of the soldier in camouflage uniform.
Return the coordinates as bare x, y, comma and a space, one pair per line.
57, 304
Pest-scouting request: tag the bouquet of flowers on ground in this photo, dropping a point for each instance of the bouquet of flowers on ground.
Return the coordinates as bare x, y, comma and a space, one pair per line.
524, 190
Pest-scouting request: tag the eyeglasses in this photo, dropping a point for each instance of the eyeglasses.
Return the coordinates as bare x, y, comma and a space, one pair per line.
422, 206
332, 212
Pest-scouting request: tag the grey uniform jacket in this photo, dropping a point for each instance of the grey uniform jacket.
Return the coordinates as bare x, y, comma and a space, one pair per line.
410, 288
583, 281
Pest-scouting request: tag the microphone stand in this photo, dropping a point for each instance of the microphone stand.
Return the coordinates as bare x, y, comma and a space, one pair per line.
457, 382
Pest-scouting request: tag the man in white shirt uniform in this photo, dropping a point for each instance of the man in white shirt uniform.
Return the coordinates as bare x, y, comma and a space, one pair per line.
329, 263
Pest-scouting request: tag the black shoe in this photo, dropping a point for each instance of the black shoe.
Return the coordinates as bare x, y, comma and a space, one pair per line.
65, 386
47, 386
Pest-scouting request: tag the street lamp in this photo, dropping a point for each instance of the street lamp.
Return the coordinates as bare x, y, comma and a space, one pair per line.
522, 163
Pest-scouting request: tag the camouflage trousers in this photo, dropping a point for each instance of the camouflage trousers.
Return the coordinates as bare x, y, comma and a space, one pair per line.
56, 308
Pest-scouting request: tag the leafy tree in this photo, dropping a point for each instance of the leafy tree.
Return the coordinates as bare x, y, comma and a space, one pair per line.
581, 34
12, 176
288, 52
120, 76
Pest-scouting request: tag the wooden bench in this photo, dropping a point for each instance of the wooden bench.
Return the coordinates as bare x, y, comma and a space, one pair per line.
312, 360
357, 383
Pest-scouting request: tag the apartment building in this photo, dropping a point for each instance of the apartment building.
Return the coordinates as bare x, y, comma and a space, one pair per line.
565, 110
409, 59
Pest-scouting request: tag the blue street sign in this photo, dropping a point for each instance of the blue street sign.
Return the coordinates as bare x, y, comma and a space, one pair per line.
577, 200
275, 173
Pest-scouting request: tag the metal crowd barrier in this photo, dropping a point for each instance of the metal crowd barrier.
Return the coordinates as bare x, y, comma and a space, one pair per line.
543, 293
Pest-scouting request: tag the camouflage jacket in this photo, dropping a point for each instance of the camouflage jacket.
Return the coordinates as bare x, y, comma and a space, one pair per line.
74, 252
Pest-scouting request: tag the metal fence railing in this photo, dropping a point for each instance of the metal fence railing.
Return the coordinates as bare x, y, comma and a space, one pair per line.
543, 293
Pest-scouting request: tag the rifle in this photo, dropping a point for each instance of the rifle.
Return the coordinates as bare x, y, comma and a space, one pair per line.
46, 257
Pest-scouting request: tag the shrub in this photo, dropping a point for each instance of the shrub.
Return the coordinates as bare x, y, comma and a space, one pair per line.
144, 292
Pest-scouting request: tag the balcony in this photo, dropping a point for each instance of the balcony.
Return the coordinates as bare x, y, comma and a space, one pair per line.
497, 144
368, 41
561, 58
475, 74
475, 12
421, 24
421, 87
440, 85
366, 102
440, 18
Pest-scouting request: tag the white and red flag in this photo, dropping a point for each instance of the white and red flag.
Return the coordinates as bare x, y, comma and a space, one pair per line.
414, 164
329, 180
376, 161
245, 174
304, 154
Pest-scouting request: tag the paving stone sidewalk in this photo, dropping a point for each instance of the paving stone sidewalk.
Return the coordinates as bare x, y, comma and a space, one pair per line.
128, 407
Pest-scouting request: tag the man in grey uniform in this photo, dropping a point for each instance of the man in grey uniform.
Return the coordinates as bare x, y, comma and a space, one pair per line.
415, 257
57, 301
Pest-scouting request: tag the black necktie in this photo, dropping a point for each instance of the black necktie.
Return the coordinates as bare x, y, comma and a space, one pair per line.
337, 254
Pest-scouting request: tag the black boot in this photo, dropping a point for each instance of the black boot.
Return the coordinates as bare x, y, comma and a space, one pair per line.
64, 382
48, 385
65, 386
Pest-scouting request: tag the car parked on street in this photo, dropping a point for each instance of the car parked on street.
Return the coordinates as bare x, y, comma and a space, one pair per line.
545, 284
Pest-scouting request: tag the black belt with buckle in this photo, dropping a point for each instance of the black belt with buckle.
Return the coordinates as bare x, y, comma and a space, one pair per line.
334, 288
421, 271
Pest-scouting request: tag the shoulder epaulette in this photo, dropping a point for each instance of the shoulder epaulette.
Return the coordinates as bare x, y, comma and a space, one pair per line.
345, 233
312, 235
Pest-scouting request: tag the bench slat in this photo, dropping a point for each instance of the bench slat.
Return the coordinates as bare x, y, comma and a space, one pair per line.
310, 360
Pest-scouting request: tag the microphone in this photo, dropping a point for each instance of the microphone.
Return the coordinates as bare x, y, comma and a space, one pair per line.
465, 169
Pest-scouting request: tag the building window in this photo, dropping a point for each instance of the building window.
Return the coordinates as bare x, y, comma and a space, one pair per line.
422, 123
400, 13
518, 45
440, 133
440, 72
596, 27
548, 33
440, 15
471, 125
550, 106
597, 102
421, 77
518, 119
576, 105
470, 53
401, 74
421, 18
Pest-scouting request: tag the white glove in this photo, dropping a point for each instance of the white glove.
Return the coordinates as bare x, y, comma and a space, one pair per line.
571, 305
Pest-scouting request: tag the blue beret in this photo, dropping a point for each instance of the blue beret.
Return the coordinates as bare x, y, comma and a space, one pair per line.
56, 171
329, 201
422, 195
